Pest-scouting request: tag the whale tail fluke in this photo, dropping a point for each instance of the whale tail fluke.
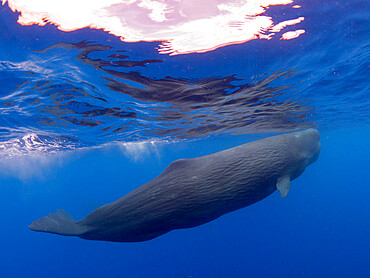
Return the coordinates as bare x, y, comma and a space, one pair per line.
60, 223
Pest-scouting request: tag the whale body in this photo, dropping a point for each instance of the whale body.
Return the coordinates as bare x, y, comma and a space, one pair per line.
191, 192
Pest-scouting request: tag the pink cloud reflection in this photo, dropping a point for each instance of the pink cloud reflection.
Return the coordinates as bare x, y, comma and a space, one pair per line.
292, 34
183, 26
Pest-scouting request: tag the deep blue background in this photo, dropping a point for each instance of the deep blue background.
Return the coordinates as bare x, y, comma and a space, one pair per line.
319, 230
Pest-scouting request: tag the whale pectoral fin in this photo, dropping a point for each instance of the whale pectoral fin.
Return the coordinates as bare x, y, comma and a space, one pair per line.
283, 185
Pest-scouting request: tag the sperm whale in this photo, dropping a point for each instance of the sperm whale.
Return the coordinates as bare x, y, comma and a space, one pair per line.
191, 192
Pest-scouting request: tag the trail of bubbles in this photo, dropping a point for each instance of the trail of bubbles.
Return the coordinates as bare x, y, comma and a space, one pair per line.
36, 144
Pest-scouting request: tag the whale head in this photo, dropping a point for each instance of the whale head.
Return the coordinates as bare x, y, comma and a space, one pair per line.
305, 147
309, 145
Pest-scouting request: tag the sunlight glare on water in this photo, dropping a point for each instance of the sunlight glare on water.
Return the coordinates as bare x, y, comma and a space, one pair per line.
182, 26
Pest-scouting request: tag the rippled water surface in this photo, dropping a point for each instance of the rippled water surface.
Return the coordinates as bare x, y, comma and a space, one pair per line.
96, 94
88, 88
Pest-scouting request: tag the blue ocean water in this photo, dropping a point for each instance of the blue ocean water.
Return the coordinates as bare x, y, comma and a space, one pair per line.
86, 118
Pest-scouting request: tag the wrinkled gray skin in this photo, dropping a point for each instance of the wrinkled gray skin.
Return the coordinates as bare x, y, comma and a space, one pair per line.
191, 192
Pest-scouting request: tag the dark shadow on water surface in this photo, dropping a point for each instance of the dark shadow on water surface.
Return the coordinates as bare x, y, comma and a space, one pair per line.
131, 105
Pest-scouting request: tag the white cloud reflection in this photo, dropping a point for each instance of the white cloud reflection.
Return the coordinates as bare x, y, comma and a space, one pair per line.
183, 26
